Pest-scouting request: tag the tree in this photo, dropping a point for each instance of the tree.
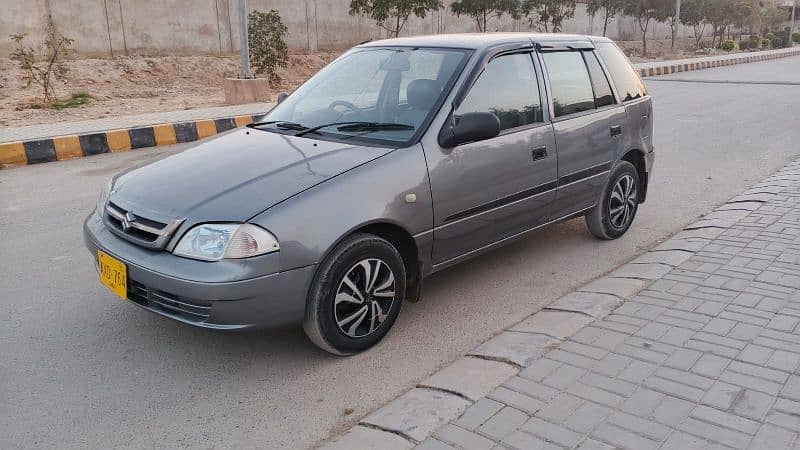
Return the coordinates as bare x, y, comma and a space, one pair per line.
645, 11
610, 9
669, 15
551, 13
721, 14
394, 12
41, 69
772, 17
268, 50
483, 10
693, 13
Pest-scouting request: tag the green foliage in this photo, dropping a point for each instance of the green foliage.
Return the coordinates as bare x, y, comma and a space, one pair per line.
769, 36
610, 9
41, 69
796, 38
646, 11
550, 13
728, 45
772, 17
483, 10
693, 14
765, 43
394, 12
268, 51
75, 99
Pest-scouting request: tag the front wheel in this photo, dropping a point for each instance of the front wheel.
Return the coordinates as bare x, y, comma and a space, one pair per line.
356, 295
616, 208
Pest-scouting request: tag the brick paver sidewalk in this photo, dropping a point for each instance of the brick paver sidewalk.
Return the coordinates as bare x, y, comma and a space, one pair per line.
705, 357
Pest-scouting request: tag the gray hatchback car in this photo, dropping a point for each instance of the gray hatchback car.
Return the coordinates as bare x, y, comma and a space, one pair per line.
400, 158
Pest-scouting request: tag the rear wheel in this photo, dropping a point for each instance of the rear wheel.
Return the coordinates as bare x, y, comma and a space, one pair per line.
617, 205
356, 295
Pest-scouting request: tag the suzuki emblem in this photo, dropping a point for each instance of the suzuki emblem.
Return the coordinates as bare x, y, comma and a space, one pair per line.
127, 219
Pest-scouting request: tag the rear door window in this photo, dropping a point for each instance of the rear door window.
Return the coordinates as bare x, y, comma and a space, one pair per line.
602, 90
570, 85
629, 85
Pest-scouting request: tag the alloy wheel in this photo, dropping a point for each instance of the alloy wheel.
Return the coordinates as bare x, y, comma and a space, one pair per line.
622, 204
364, 298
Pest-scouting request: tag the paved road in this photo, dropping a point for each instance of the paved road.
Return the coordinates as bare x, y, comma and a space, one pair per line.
82, 369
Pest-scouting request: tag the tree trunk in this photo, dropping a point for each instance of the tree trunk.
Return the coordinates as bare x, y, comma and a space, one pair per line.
605, 22
672, 35
643, 27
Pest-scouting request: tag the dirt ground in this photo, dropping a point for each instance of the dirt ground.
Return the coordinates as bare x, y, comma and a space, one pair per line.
137, 85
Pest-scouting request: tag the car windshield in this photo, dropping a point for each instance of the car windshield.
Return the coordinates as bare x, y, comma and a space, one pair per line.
383, 95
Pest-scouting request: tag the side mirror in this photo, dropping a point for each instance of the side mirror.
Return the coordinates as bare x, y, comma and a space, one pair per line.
471, 127
282, 96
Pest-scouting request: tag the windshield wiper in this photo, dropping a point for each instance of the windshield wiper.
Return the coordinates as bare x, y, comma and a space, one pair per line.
280, 124
358, 126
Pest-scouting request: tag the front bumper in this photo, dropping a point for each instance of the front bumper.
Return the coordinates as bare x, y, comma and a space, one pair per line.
266, 301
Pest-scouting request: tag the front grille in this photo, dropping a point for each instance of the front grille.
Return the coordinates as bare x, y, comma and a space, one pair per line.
137, 229
166, 302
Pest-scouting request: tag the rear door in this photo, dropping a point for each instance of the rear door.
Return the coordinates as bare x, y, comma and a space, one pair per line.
486, 191
632, 93
589, 126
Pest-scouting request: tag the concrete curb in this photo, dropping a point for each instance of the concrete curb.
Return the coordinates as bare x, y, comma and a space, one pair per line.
668, 67
59, 148
20, 153
496, 362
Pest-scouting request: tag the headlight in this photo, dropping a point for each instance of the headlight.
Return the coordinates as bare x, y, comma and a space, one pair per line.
212, 242
104, 194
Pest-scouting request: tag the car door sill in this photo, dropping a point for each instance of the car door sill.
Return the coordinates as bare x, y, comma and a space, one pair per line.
472, 253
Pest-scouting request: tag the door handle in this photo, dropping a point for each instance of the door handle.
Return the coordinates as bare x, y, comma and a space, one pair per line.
616, 130
539, 153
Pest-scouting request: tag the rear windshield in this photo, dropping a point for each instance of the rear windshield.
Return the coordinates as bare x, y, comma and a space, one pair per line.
625, 78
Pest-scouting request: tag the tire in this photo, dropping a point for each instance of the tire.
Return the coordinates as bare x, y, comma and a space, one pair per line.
364, 313
621, 191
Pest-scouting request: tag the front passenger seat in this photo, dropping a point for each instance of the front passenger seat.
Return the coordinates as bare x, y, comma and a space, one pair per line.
421, 95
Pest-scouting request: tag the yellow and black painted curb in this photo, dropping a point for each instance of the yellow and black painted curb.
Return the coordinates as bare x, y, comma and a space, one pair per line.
20, 153
668, 68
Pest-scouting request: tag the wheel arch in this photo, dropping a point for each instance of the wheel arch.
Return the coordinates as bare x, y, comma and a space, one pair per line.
636, 157
401, 240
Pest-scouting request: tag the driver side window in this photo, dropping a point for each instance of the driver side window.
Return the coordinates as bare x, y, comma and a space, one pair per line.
507, 88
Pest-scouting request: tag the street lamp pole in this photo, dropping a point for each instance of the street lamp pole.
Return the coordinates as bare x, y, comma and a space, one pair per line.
791, 30
244, 45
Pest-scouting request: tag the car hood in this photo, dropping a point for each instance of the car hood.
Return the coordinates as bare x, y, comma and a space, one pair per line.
235, 175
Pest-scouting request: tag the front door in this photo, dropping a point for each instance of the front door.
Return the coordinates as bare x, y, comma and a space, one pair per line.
588, 124
489, 190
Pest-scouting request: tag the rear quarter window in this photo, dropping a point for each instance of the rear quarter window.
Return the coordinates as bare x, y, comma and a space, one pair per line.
623, 75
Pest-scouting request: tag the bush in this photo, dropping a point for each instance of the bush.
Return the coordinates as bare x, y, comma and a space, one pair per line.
765, 43
744, 45
727, 45
268, 50
769, 36
796, 38
777, 43
41, 68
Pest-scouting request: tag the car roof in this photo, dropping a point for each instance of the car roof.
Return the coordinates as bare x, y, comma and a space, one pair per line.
478, 41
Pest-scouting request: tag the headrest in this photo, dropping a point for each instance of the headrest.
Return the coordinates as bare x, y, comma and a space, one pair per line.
423, 93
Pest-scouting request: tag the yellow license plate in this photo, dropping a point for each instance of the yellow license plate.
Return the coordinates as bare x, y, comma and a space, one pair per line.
113, 273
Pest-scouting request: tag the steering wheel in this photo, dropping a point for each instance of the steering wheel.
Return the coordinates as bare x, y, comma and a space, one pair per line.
347, 105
